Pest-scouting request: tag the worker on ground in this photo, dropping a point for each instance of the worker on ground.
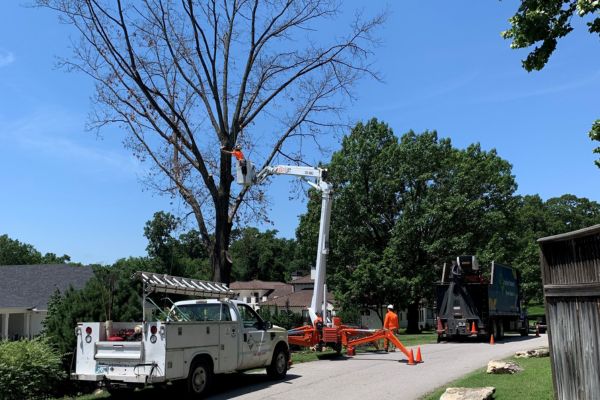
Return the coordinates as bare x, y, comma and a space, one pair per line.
237, 153
390, 323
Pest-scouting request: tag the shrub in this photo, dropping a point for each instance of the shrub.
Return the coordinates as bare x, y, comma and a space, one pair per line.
283, 318
29, 369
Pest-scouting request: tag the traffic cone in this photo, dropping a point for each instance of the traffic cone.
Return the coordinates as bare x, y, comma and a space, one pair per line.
492, 339
537, 331
440, 327
419, 359
350, 351
411, 358
473, 329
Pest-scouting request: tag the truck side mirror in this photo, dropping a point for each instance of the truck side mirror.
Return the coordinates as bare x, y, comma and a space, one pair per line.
267, 325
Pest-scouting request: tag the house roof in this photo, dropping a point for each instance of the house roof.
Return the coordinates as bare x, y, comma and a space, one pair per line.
31, 286
303, 279
301, 298
256, 285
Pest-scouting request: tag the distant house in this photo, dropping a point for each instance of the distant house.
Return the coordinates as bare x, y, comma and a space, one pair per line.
299, 299
25, 291
254, 292
296, 302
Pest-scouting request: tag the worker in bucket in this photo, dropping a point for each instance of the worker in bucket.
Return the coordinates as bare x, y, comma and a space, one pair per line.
237, 153
391, 323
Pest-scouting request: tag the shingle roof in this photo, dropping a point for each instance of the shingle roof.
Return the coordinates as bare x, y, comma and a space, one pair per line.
255, 284
303, 279
31, 286
301, 298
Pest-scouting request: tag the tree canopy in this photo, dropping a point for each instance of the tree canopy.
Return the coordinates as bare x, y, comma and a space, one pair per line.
542, 23
13, 252
189, 79
403, 207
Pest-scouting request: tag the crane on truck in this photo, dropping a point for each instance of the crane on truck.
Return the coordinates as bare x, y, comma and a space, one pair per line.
318, 302
326, 331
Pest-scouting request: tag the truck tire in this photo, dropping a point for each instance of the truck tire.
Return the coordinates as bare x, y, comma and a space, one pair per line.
199, 378
279, 363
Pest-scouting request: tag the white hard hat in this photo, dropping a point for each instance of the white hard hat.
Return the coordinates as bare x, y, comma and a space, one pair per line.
390, 307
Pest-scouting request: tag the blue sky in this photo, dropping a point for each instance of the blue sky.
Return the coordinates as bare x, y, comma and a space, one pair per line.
444, 66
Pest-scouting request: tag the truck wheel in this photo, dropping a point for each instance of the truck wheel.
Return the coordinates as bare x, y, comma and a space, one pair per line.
279, 363
500, 329
337, 347
199, 378
525, 330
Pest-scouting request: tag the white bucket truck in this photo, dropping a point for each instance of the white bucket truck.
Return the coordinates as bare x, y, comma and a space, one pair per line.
197, 339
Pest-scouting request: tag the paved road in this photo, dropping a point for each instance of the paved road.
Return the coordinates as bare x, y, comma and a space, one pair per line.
373, 375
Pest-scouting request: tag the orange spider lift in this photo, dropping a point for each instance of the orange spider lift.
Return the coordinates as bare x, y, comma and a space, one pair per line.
331, 333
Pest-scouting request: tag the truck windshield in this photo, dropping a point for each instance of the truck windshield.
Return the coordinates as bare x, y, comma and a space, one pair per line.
200, 312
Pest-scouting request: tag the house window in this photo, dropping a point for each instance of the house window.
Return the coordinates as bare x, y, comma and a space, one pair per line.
255, 297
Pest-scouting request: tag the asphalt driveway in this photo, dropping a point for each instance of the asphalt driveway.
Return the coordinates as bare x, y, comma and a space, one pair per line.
373, 375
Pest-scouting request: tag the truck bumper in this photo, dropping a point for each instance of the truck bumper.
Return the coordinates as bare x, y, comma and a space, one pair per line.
84, 377
139, 379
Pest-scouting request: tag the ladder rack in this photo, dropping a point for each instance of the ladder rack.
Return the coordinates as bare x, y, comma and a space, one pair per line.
163, 283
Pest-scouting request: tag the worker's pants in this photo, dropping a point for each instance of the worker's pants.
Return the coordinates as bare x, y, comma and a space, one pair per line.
385, 341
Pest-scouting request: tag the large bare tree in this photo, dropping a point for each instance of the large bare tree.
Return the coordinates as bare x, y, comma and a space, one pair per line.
187, 78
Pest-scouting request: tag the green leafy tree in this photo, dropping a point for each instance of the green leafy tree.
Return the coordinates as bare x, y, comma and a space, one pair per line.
261, 255
536, 218
13, 252
403, 208
542, 23
110, 294
185, 255
452, 202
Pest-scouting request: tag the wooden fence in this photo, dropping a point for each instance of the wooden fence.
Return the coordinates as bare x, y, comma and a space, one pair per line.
571, 275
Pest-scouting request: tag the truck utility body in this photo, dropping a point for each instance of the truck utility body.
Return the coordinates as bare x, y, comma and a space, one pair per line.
469, 304
197, 339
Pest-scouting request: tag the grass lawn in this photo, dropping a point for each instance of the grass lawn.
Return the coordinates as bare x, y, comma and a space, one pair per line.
534, 383
535, 311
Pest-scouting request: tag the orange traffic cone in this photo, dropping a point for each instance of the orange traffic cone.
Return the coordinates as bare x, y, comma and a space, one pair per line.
537, 331
473, 329
440, 327
411, 358
492, 339
350, 351
419, 359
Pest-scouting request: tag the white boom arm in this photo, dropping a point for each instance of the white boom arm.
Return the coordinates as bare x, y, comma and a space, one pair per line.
318, 299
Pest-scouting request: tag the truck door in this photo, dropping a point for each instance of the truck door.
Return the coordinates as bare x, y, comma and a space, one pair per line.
255, 346
228, 346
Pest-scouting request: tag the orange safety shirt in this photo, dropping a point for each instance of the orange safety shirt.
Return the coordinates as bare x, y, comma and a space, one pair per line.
391, 320
238, 154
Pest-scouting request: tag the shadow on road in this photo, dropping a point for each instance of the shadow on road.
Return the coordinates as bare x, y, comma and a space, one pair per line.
231, 385
508, 338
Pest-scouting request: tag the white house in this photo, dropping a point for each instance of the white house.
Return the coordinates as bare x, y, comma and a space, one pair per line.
25, 291
254, 292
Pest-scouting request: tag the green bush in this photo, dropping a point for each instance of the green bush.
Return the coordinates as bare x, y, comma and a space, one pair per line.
29, 369
283, 318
